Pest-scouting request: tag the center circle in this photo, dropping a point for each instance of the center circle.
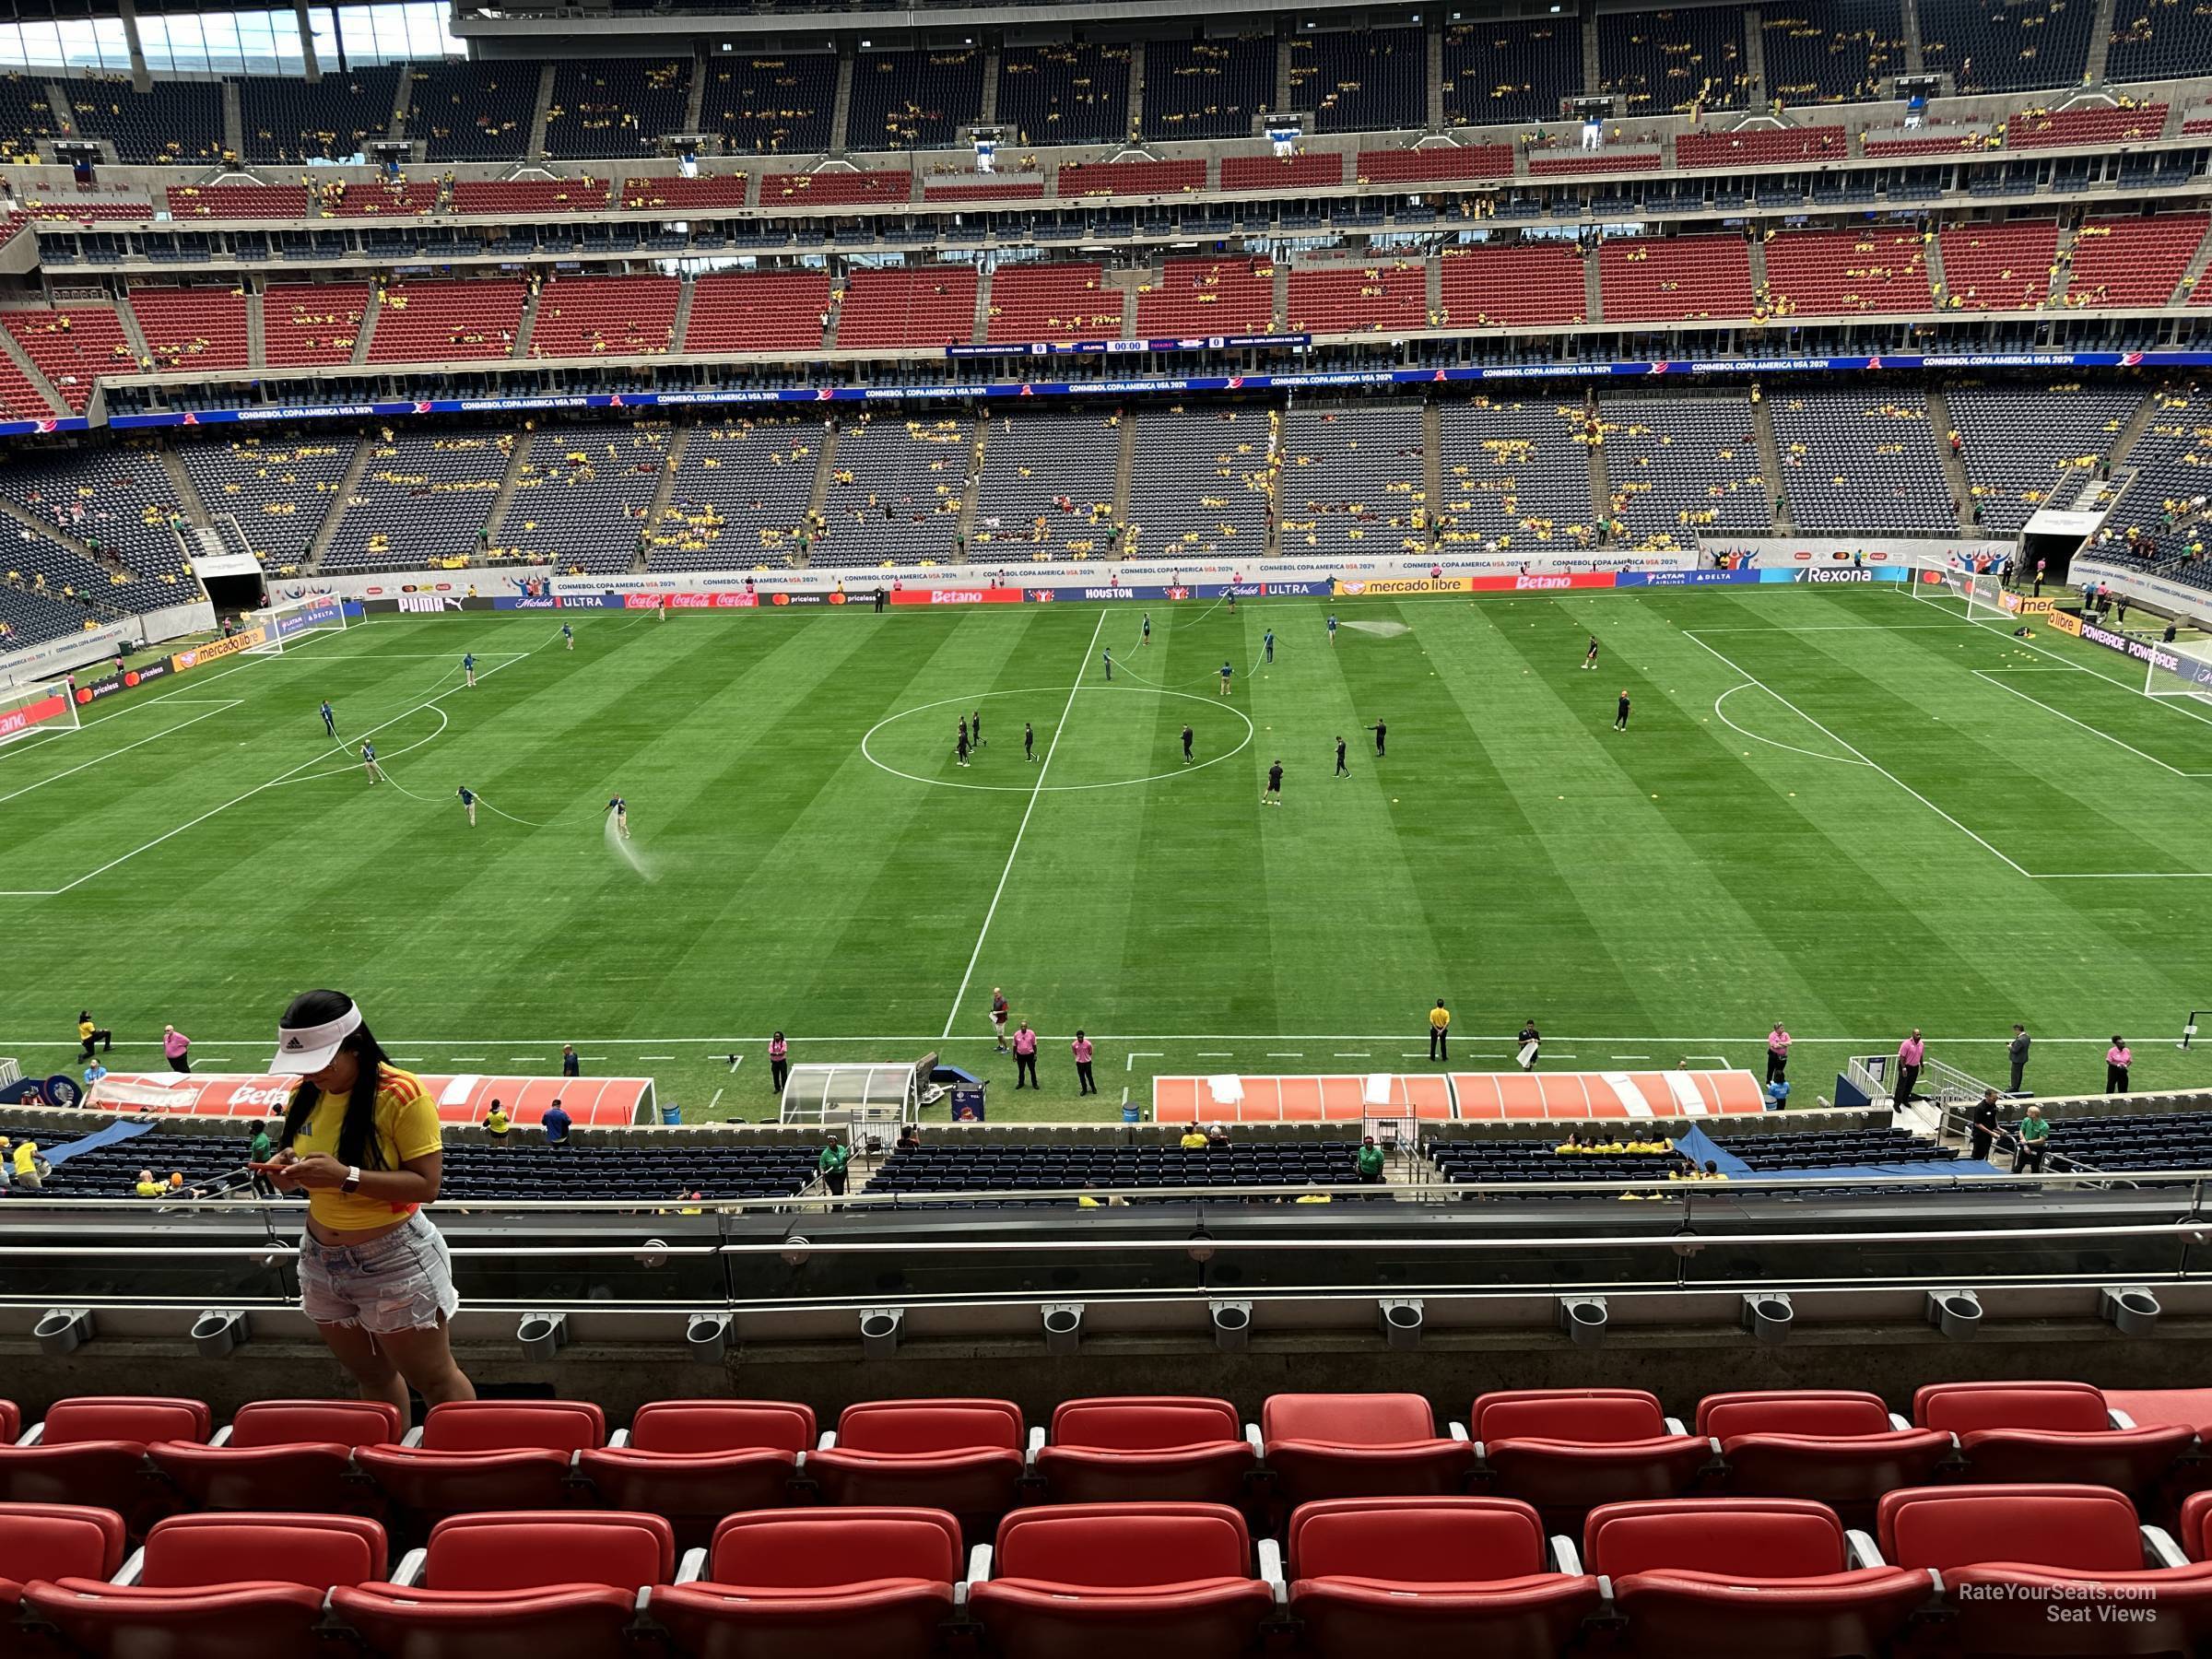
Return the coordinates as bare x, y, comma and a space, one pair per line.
971, 700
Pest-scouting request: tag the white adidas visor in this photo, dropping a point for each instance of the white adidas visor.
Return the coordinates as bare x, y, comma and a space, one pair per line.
304, 1050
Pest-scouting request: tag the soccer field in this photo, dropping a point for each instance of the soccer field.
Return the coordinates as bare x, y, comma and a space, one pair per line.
1844, 807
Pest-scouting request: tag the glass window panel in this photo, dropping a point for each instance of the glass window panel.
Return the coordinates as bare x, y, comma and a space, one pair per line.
218, 34
113, 45
11, 46
256, 44
357, 30
283, 33
41, 43
323, 24
431, 24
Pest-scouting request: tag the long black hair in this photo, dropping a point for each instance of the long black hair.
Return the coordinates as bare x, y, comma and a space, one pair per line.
358, 1142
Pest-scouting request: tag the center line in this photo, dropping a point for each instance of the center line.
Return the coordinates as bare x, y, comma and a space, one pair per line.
1036, 790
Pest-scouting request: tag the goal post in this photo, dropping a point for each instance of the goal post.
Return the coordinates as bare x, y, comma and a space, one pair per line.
1980, 595
2176, 671
282, 625
36, 710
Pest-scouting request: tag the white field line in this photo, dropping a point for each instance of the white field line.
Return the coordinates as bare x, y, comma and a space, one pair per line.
1773, 742
283, 777
2094, 731
1691, 634
584, 1044
126, 748
1035, 793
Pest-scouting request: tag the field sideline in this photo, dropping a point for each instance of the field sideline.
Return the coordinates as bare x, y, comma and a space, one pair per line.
1842, 807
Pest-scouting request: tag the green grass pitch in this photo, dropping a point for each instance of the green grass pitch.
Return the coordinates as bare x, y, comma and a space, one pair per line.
1844, 807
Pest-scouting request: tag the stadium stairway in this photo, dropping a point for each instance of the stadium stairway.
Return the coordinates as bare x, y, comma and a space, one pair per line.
1769, 462
179, 480
526, 324
349, 483
257, 333
1940, 426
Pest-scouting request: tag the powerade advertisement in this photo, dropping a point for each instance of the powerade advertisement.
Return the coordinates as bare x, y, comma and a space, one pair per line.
1315, 380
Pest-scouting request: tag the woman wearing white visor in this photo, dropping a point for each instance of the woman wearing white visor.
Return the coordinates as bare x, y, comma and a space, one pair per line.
361, 1138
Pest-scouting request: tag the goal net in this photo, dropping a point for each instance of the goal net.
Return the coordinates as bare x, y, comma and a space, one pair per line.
2177, 671
284, 625
34, 711
1978, 593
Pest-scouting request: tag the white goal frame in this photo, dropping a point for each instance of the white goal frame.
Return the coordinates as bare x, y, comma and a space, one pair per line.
1982, 592
2190, 677
36, 710
292, 622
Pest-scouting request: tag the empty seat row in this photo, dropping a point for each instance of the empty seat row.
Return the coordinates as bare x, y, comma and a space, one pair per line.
1982, 1567
1565, 1452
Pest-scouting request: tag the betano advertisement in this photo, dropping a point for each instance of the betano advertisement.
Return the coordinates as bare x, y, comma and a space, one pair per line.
25, 715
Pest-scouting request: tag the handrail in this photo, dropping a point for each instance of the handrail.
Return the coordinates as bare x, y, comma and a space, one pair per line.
2189, 1231
244, 1203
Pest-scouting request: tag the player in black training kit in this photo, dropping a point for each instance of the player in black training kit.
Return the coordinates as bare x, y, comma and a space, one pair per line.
1620, 715
1186, 746
1274, 797
976, 722
1029, 741
1381, 731
1590, 656
1341, 770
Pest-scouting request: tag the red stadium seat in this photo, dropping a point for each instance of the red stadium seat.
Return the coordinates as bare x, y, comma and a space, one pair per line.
824, 1583
2197, 1526
696, 1461
1378, 1445
1701, 1576
283, 1454
217, 1587
1567, 1450
11, 1422
49, 1541
1104, 1581
2010, 1555
962, 1455
488, 1454
2049, 1431
1834, 1446
92, 1450
1471, 1574
1167, 1447
548, 1585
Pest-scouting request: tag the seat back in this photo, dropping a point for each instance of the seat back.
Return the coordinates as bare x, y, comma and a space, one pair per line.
1144, 1424
930, 1425
513, 1425
1586, 1415
317, 1422
1744, 1538
1832, 1414
2194, 1532
722, 1426
1123, 1545
825, 1548
59, 1541
124, 1417
2063, 1408
1417, 1540
531, 1550
11, 1421
1347, 1419
319, 1551
2085, 1529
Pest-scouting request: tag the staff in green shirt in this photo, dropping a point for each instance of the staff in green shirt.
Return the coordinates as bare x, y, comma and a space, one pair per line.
1370, 1157
831, 1166
2035, 1140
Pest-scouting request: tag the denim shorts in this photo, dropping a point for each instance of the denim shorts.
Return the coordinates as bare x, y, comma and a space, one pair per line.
402, 1281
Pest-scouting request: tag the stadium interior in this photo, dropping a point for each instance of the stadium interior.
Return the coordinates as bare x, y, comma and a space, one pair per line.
650, 297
